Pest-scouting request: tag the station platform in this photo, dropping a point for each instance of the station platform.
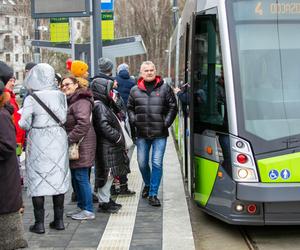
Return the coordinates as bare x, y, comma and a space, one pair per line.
136, 226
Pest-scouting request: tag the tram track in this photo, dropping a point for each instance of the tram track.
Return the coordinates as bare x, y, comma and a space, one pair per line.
249, 241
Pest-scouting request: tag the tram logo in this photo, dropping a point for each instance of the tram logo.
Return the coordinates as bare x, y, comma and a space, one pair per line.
273, 174
259, 9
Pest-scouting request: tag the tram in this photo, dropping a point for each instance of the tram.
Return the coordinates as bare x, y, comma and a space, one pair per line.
238, 133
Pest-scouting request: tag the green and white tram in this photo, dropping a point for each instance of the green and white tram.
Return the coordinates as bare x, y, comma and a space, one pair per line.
240, 136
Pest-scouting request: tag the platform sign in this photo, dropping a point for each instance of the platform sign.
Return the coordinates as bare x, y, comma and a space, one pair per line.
107, 15
59, 8
107, 4
107, 25
108, 30
59, 30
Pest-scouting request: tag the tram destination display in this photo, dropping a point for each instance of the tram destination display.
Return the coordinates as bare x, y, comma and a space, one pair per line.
266, 10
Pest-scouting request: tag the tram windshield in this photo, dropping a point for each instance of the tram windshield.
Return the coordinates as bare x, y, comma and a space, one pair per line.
265, 39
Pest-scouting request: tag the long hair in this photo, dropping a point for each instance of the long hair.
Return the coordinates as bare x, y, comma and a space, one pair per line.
4, 98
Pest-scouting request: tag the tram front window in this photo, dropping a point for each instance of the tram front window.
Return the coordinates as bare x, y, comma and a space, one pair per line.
266, 46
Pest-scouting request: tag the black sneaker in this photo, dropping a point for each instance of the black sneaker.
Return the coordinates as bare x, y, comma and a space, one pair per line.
145, 192
114, 203
108, 208
154, 201
126, 192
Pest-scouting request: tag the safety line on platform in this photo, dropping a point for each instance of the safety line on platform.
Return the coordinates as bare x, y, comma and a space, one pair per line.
119, 228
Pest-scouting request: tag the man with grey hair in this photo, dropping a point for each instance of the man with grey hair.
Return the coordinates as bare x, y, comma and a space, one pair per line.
152, 109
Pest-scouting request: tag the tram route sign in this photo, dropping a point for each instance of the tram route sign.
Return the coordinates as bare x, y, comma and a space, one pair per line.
60, 8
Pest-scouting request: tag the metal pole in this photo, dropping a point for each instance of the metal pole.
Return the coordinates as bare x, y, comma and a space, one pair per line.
36, 54
72, 38
97, 37
175, 12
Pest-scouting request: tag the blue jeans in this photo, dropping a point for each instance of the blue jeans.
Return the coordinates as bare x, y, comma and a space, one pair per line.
151, 179
82, 188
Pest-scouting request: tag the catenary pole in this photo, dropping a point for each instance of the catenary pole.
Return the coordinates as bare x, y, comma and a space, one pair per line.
96, 39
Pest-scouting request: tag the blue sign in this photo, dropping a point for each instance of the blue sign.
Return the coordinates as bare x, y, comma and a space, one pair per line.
285, 174
273, 174
107, 5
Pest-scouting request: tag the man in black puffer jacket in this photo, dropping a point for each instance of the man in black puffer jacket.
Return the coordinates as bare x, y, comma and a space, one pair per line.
152, 109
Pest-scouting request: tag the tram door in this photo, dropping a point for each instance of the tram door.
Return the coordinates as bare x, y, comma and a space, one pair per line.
208, 111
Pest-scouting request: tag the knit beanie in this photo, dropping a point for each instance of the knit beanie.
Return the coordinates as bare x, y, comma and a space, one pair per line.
29, 66
122, 66
79, 68
6, 72
105, 65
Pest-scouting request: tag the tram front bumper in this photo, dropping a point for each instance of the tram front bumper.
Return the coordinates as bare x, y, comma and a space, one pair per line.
268, 192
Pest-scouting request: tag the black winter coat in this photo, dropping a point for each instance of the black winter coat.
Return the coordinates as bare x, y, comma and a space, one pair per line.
151, 114
110, 152
10, 181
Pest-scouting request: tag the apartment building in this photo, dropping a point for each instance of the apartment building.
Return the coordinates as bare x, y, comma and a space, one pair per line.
15, 29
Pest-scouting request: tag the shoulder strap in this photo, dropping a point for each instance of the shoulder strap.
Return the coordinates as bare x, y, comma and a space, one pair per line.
49, 111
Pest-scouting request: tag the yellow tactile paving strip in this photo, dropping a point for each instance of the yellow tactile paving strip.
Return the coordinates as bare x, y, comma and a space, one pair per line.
119, 229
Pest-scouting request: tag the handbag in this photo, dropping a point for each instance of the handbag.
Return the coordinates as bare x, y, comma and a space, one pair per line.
74, 150
128, 140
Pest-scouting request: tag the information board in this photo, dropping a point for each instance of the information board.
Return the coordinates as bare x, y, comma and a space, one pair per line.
59, 8
59, 30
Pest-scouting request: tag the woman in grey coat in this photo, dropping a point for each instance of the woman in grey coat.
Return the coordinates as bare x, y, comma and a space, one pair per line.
47, 161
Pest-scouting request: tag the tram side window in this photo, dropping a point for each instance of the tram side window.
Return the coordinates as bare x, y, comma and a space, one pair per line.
209, 88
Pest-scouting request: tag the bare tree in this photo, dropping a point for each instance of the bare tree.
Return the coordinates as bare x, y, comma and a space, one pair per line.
150, 19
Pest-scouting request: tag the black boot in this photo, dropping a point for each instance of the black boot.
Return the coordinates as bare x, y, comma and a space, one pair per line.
114, 191
39, 213
108, 207
58, 207
125, 191
115, 203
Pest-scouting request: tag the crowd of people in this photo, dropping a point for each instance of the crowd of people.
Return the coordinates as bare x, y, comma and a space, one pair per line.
68, 125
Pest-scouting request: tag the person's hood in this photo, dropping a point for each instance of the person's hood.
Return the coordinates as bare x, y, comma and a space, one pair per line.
81, 93
101, 90
124, 74
141, 83
40, 77
6, 72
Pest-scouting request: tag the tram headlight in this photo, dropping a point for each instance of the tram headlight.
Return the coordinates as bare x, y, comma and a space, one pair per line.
244, 174
239, 207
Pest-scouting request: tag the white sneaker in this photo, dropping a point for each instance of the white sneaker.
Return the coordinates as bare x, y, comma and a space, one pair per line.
83, 215
76, 211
